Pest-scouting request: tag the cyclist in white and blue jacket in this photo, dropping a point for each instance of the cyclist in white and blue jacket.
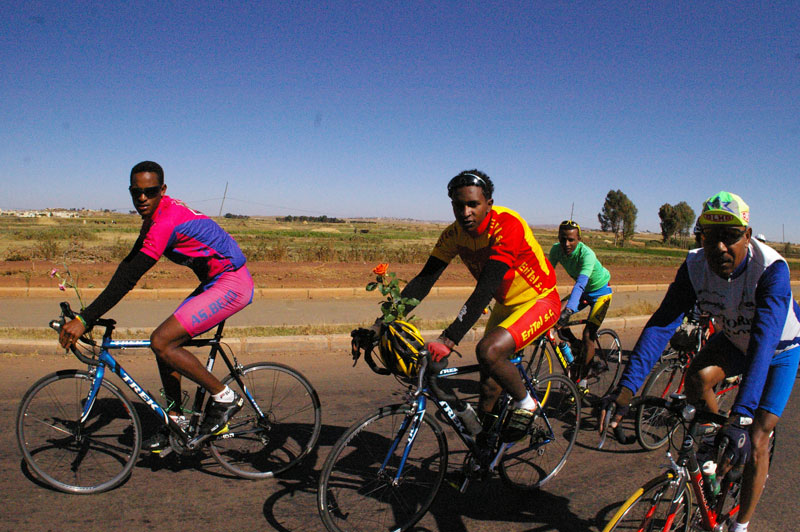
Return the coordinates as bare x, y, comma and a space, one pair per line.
744, 284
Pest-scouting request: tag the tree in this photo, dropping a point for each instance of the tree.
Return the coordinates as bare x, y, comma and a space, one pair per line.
629, 220
669, 221
618, 215
686, 218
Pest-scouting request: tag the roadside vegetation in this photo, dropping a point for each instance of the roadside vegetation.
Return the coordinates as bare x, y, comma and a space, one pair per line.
108, 237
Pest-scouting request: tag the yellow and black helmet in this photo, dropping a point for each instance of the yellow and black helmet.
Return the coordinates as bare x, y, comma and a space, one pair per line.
400, 345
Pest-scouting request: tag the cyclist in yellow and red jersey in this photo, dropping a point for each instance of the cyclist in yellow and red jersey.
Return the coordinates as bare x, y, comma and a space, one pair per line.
499, 249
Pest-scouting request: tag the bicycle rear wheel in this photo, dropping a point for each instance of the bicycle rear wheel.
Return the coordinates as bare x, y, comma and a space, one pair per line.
357, 487
533, 461
73, 456
256, 447
654, 425
651, 507
605, 368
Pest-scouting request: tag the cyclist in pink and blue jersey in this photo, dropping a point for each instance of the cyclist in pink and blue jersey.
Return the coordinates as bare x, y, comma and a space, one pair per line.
189, 238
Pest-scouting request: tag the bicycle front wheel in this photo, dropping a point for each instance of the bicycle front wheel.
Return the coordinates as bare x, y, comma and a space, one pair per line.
74, 456
605, 368
537, 458
259, 447
652, 506
654, 424
360, 487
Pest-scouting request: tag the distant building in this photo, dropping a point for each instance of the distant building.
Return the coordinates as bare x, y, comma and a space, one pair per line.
45, 213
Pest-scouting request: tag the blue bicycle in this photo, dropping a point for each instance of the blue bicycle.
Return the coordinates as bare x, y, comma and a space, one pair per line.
386, 469
80, 434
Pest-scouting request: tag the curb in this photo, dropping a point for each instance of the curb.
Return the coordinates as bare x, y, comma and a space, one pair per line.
280, 293
294, 293
335, 343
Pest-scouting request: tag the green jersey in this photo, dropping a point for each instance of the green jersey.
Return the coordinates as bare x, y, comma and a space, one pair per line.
582, 261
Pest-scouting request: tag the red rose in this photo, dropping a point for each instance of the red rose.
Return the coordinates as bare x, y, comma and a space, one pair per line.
381, 269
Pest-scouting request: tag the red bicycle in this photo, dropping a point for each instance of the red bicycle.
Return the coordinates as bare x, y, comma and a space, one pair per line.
682, 498
654, 425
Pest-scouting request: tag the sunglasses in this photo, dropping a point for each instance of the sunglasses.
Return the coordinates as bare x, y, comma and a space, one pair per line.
569, 223
728, 236
465, 180
150, 192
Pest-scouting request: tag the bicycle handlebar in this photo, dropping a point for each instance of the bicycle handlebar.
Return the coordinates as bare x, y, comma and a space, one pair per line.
67, 312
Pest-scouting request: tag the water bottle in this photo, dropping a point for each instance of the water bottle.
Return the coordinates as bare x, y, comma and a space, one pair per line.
468, 417
567, 352
710, 473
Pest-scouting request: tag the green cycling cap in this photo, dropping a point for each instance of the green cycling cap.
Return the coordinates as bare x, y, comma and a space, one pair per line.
724, 208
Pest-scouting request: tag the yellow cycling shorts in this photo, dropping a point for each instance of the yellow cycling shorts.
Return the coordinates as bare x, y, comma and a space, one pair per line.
599, 308
526, 321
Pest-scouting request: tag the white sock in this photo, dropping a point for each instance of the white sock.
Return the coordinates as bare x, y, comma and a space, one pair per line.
225, 396
583, 383
527, 403
739, 527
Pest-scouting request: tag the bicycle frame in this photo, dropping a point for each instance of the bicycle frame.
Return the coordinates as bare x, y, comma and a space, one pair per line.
686, 470
420, 404
106, 360
706, 326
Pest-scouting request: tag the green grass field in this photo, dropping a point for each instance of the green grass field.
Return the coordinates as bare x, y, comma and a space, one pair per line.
98, 237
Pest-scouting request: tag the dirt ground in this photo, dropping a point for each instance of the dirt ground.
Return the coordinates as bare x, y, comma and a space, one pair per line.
282, 274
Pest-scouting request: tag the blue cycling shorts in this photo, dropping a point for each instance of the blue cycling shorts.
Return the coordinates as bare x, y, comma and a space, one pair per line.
780, 378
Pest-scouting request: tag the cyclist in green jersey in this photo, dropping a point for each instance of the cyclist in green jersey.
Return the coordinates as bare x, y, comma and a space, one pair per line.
590, 289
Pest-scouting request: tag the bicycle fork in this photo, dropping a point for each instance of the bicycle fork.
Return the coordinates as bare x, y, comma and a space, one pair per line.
411, 423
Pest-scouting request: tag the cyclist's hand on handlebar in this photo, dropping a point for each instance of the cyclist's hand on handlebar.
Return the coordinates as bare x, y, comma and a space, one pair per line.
438, 351
733, 446
440, 348
364, 339
563, 319
70, 332
621, 397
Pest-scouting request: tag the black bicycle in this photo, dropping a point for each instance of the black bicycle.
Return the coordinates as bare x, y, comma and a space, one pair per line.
80, 434
544, 357
386, 469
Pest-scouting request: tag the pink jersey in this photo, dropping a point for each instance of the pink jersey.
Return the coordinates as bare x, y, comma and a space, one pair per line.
190, 238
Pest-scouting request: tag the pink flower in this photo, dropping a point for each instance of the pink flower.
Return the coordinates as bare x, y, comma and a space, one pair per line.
53, 272
61, 287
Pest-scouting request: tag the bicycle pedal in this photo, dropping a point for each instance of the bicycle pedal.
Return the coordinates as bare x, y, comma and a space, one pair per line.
223, 430
163, 453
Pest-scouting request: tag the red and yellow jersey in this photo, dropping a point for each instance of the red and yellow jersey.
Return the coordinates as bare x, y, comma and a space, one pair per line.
503, 236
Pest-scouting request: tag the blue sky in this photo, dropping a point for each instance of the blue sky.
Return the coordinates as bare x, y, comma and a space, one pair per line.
367, 109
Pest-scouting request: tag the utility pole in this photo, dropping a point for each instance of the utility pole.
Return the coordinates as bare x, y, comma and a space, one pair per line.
224, 194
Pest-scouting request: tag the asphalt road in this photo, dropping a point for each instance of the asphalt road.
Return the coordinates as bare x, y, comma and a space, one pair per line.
168, 495
148, 313
136, 312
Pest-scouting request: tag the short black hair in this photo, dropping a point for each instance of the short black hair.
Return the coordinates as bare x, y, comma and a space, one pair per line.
149, 166
467, 178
